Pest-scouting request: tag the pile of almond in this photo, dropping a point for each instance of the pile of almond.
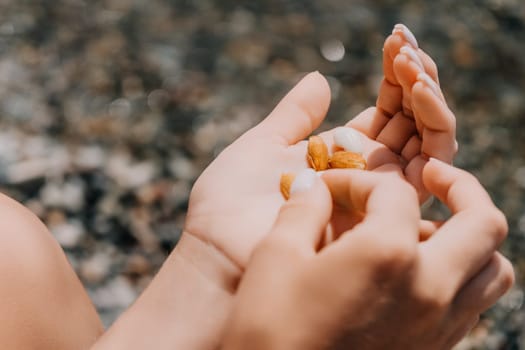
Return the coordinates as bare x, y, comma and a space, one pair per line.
348, 155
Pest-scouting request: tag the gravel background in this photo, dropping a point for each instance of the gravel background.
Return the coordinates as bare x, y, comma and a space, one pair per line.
110, 109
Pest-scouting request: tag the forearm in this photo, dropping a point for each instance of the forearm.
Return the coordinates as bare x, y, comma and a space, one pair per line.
185, 307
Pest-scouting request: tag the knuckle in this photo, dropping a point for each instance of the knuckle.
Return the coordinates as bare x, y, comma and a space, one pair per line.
450, 122
500, 224
433, 299
467, 177
496, 221
508, 277
394, 257
402, 187
432, 67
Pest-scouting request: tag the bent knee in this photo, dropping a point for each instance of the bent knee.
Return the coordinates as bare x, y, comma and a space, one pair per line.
41, 298
22, 234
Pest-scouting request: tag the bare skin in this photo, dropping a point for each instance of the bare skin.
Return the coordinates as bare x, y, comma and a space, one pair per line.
44, 305
377, 286
232, 210
411, 117
218, 242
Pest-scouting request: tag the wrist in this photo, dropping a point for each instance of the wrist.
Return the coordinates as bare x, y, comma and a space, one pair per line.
206, 260
186, 306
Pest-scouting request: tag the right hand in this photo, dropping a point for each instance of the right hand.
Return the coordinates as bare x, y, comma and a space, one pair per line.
376, 286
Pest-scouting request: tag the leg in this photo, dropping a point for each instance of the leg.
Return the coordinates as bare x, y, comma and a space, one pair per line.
42, 302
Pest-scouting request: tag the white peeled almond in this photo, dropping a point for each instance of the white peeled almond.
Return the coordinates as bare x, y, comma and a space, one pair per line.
348, 139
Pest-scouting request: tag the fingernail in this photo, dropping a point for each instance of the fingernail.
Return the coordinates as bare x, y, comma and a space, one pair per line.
407, 34
428, 81
304, 180
412, 55
348, 139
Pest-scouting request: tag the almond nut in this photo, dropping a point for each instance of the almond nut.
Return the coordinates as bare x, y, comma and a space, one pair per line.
317, 153
344, 159
286, 184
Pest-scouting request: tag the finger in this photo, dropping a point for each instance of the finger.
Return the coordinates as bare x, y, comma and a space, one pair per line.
384, 197
412, 148
397, 132
429, 65
456, 188
377, 155
407, 66
439, 135
393, 46
413, 172
400, 37
390, 50
427, 228
302, 219
389, 98
384, 242
467, 241
482, 291
462, 327
370, 122
300, 112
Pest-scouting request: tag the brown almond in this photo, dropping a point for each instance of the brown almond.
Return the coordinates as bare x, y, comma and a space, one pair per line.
286, 184
344, 159
317, 153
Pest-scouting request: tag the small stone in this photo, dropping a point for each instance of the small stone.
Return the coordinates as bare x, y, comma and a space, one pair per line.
36, 207
150, 193
89, 157
68, 195
68, 234
27, 170
128, 174
519, 176
137, 265
333, 50
206, 137
182, 168
132, 87
141, 230
158, 99
96, 268
116, 294
120, 108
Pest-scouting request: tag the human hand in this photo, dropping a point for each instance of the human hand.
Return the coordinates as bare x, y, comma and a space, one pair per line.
411, 117
377, 286
235, 201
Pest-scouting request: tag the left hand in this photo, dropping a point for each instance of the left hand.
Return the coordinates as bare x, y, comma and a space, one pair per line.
411, 117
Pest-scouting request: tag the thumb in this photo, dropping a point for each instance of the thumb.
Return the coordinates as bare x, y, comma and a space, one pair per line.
302, 220
300, 112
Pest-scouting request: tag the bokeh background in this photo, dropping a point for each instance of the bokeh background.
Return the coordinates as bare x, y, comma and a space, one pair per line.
110, 109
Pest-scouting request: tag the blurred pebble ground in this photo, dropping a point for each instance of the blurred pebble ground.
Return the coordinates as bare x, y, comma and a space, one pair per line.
110, 109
